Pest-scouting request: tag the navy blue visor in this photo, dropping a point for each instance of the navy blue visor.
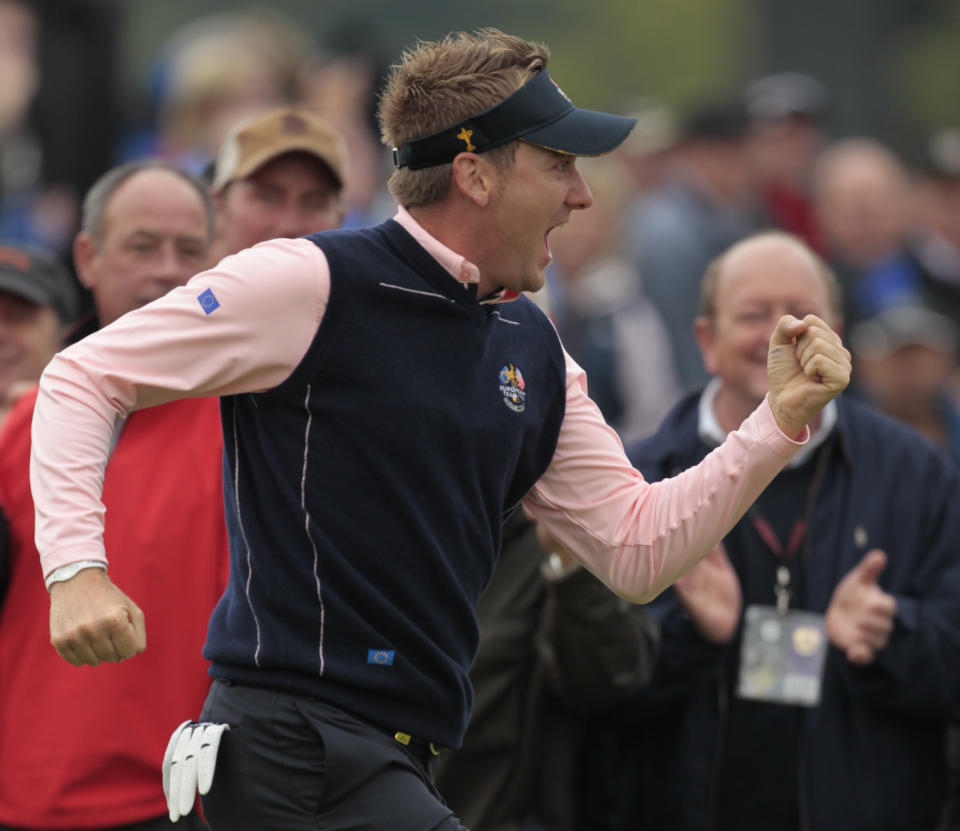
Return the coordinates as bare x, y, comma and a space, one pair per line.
539, 113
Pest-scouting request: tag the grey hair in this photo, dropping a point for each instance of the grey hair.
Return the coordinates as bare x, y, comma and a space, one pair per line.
99, 196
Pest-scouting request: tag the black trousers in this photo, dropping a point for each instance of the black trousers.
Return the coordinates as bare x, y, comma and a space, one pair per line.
292, 763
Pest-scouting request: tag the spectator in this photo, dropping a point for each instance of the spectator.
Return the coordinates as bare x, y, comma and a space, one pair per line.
556, 649
865, 203
83, 750
704, 205
213, 72
278, 174
849, 557
644, 158
341, 82
787, 112
32, 211
647, 150
38, 298
609, 326
937, 250
146, 230
906, 361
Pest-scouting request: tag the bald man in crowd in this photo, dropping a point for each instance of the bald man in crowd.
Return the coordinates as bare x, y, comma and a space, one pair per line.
808, 664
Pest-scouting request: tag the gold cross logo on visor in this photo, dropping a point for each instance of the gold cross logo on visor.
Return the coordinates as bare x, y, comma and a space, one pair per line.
465, 134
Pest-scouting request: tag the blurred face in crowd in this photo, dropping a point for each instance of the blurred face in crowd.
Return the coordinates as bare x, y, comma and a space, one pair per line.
863, 201
591, 235
292, 195
18, 60
759, 281
29, 337
784, 148
941, 200
909, 381
154, 237
725, 165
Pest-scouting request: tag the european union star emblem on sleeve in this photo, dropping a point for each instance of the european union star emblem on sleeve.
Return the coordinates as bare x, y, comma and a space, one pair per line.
208, 301
383, 657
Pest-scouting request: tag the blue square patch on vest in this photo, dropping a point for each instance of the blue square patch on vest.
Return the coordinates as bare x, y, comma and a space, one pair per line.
208, 301
383, 657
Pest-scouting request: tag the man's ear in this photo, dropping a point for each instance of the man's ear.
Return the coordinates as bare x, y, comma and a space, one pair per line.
474, 178
703, 330
84, 253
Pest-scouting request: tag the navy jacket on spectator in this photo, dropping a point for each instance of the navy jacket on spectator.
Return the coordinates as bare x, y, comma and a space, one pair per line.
871, 754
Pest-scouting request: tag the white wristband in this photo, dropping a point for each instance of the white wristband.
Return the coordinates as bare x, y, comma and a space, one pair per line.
58, 575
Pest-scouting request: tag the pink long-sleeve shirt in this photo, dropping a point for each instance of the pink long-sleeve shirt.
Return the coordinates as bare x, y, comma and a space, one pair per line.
270, 300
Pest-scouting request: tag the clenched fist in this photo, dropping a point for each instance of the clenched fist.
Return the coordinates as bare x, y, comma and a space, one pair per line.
92, 621
807, 366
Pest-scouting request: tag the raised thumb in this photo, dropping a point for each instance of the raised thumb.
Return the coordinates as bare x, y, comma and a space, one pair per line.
869, 568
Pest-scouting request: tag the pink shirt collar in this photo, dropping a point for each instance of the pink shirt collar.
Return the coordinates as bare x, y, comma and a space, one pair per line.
457, 266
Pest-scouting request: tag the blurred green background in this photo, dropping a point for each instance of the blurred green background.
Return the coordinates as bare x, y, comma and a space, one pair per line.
893, 66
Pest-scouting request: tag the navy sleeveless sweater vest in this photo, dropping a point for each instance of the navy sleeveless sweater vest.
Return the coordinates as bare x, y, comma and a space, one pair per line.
365, 494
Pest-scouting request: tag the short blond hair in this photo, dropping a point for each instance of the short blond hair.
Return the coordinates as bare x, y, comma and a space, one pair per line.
438, 83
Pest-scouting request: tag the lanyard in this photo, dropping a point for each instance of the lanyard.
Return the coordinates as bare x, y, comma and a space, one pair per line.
768, 535
786, 554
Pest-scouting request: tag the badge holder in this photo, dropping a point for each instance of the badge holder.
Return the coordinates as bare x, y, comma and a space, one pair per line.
783, 651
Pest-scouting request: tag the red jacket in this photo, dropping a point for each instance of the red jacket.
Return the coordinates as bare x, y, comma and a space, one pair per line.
81, 747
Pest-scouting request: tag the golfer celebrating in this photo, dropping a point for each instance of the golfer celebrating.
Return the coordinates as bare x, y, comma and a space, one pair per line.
387, 394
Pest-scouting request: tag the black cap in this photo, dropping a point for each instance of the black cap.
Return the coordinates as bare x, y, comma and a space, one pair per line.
539, 112
39, 278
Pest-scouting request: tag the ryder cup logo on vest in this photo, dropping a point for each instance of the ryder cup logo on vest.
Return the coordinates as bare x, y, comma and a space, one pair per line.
513, 387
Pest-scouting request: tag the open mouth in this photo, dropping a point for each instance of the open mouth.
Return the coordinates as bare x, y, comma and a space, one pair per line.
546, 241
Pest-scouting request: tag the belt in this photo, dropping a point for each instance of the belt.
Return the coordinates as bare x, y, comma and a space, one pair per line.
413, 743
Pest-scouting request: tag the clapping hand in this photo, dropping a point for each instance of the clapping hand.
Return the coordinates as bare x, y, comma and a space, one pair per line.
860, 616
711, 594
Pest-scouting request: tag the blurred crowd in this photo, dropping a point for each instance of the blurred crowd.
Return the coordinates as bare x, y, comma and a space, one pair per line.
624, 290
624, 283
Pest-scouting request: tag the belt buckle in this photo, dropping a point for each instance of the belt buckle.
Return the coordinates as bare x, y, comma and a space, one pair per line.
406, 738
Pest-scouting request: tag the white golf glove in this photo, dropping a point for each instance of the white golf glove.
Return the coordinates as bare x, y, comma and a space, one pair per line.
189, 763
